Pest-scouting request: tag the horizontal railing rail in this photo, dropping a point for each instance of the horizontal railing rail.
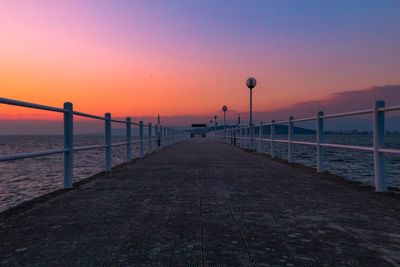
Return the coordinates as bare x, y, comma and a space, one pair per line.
31, 154
241, 137
30, 105
158, 137
86, 115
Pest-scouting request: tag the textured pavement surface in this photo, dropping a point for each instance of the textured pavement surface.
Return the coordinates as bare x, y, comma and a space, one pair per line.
202, 203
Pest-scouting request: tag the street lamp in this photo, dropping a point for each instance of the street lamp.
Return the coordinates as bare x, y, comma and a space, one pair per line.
251, 83
224, 109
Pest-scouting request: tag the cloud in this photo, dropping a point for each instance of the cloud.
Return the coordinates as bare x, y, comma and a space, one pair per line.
336, 103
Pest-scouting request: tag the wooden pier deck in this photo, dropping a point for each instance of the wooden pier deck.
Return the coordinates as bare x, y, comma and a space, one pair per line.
202, 203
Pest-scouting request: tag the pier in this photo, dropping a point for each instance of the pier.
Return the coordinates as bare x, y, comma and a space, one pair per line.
200, 202
200, 133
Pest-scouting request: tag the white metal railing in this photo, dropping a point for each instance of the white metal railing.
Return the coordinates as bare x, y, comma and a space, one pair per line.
162, 137
241, 135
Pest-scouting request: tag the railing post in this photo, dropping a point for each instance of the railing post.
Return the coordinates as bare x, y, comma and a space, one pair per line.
68, 145
245, 138
161, 141
248, 138
141, 139
379, 142
290, 138
128, 139
156, 140
150, 136
251, 135
108, 142
273, 132
165, 136
259, 137
320, 139
234, 136
237, 135
164, 140
240, 137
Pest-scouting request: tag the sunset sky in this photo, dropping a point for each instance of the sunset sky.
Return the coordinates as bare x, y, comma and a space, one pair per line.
190, 57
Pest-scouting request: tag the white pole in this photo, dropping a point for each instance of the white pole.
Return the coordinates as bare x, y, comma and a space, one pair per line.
161, 136
246, 141
164, 139
215, 129
379, 142
108, 142
320, 139
240, 136
68, 145
259, 137
290, 139
224, 128
150, 136
128, 139
249, 142
273, 129
251, 119
141, 139
156, 136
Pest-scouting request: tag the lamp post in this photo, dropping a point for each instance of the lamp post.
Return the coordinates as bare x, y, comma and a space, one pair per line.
224, 109
251, 83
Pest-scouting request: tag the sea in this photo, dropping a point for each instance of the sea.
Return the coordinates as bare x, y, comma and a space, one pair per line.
25, 179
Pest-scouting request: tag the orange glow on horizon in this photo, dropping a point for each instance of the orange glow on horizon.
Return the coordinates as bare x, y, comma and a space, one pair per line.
140, 65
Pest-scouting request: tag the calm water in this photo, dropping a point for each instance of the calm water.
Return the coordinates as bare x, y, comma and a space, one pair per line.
25, 179
354, 165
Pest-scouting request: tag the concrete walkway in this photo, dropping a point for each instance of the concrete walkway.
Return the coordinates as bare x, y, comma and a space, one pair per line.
202, 203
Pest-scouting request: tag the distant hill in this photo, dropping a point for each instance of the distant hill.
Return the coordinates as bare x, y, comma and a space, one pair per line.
280, 129
354, 123
283, 129
342, 102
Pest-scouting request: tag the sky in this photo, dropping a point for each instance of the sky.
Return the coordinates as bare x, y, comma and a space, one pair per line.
190, 57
